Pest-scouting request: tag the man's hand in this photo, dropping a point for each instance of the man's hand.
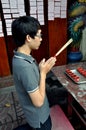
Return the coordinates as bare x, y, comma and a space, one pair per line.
45, 66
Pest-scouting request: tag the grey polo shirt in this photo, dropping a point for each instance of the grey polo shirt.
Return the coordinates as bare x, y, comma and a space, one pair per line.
26, 78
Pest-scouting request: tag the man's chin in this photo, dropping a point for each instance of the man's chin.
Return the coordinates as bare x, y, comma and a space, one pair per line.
37, 48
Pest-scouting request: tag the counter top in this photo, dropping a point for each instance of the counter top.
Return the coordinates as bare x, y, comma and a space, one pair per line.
78, 91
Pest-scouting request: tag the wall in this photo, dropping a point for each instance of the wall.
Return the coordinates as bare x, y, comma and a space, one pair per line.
4, 64
57, 38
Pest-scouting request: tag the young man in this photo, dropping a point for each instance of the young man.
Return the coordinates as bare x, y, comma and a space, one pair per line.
29, 78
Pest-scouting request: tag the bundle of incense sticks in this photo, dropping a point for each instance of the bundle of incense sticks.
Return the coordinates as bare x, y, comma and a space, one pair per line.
64, 46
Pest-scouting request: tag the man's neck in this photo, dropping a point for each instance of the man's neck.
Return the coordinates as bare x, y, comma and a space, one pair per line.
24, 49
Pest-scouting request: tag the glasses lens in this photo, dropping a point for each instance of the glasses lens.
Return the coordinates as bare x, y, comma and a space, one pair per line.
39, 35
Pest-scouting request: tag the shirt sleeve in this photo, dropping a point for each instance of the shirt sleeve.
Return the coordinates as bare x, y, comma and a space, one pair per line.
30, 78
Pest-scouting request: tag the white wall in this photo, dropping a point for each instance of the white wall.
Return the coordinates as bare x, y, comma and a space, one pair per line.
83, 44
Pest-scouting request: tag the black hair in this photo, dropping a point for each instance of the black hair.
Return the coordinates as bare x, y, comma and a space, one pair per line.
23, 26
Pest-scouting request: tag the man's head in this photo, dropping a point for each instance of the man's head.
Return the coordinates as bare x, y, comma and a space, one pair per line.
23, 26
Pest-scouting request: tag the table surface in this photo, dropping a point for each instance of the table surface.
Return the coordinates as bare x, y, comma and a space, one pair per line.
78, 91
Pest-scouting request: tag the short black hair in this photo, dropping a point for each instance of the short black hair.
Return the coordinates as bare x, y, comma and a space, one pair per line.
23, 26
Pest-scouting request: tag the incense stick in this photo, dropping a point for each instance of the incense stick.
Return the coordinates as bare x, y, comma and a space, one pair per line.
64, 46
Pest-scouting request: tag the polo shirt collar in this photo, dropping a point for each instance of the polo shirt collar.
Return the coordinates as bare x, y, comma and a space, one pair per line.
19, 55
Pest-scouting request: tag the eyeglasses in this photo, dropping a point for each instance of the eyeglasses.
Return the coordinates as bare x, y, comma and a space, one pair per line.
39, 35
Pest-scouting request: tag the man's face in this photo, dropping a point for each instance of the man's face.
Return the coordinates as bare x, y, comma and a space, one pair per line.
35, 43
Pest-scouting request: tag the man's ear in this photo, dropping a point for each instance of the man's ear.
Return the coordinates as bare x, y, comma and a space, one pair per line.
28, 38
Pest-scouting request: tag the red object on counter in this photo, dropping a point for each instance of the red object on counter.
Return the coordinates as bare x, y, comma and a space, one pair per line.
72, 75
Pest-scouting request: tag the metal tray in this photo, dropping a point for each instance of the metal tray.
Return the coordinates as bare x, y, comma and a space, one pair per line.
82, 78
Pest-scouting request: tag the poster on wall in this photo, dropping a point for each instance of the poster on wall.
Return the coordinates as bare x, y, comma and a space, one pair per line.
37, 10
12, 9
50, 9
57, 9
1, 30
